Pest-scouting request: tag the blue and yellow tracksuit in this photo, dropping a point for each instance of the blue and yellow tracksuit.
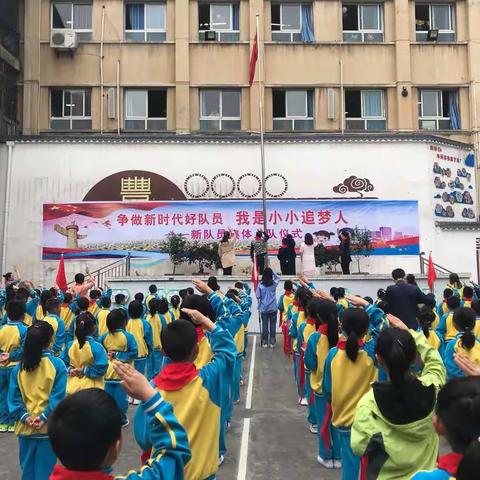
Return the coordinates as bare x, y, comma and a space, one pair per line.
442, 309
176, 313
67, 314
298, 318
456, 347
435, 340
196, 397
446, 329
446, 468
142, 332
73, 326
149, 298
124, 348
12, 338
246, 298
285, 300
92, 358
157, 323
30, 395
171, 314
101, 317
58, 338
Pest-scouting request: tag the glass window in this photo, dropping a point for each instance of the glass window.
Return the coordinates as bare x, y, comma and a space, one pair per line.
350, 17
70, 109
287, 21
296, 103
155, 14
145, 22
221, 17
362, 23
372, 104
292, 110
82, 17
370, 17
430, 103
439, 17
72, 15
231, 103
210, 103
146, 109
439, 110
62, 15
136, 103
365, 110
220, 109
290, 17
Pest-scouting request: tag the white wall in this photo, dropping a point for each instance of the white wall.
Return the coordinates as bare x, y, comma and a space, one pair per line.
65, 172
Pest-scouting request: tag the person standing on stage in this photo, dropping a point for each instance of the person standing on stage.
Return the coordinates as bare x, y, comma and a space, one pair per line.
345, 253
291, 254
260, 249
307, 254
226, 252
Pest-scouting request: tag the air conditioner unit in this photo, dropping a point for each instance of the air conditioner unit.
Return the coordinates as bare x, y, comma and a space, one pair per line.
112, 102
63, 39
210, 36
330, 103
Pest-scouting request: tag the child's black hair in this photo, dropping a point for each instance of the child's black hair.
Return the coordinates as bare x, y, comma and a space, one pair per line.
368, 299
153, 306
67, 298
179, 340
139, 297
53, 291
287, 285
79, 278
467, 292
398, 351
120, 298
38, 338
239, 285
327, 314
94, 294
52, 305
355, 324
175, 301
200, 303
83, 427
448, 292
334, 293
15, 310
152, 289
135, 309
163, 306
312, 307
45, 296
85, 325
454, 280
21, 292
458, 408
190, 291
106, 302
380, 293
453, 302
116, 320
476, 307
213, 283
340, 292
303, 296
383, 306
83, 304
464, 320
425, 318
411, 279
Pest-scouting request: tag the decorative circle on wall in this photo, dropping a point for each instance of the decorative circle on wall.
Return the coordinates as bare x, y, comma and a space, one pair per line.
202, 192
245, 194
285, 185
214, 189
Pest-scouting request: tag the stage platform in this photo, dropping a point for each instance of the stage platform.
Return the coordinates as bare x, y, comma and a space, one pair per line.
356, 284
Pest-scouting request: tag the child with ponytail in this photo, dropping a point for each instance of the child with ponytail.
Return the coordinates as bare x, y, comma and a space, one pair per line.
318, 345
458, 420
426, 319
157, 322
465, 343
175, 301
392, 429
37, 385
85, 357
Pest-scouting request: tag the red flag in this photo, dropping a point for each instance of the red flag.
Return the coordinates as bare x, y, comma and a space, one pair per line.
61, 279
253, 59
254, 273
432, 274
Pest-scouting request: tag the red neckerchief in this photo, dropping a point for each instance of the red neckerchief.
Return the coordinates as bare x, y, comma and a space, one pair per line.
62, 473
175, 376
323, 329
295, 303
449, 462
92, 301
466, 299
65, 305
342, 344
287, 293
200, 334
299, 309
311, 321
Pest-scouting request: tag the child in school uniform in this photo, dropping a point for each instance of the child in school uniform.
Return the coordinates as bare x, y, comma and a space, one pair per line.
465, 343
476, 308
467, 297
442, 308
157, 323
446, 329
86, 434
426, 319
82, 305
94, 301
12, 338
284, 301
53, 318
318, 345
245, 293
141, 330
196, 395
85, 357
458, 420
152, 293
121, 346
120, 300
102, 314
67, 310
41, 309
36, 387
175, 301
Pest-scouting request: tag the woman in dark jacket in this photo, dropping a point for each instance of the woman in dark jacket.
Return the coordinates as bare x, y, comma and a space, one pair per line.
291, 255
345, 257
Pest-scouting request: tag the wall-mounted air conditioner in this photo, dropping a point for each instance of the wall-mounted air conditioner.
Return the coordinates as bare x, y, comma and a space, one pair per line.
63, 39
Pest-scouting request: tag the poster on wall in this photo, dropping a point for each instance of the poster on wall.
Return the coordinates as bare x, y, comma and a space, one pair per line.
453, 174
113, 229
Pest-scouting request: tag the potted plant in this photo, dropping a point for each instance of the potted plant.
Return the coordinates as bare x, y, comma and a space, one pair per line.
326, 257
205, 254
176, 245
361, 244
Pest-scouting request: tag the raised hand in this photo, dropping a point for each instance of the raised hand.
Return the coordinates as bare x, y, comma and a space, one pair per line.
466, 365
356, 301
202, 286
396, 322
199, 318
134, 383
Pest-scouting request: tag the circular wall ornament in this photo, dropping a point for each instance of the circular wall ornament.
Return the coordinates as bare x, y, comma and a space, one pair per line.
230, 179
249, 195
285, 185
203, 191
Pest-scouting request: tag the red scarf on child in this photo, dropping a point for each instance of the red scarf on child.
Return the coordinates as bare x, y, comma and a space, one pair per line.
450, 462
323, 329
175, 376
200, 334
311, 321
342, 344
62, 473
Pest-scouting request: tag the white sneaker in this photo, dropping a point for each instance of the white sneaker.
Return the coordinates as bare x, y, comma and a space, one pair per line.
236, 402
337, 464
325, 463
221, 459
313, 428
304, 402
272, 345
229, 426
264, 345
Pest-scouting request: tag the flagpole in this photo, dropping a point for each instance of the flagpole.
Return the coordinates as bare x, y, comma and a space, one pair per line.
261, 114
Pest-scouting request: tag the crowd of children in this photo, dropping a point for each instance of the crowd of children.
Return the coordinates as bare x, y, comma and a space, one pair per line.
66, 353
371, 384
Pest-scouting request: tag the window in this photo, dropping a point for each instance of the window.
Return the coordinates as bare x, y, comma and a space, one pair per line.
438, 110
439, 17
220, 110
365, 110
362, 23
221, 18
145, 22
146, 109
292, 22
73, 15
70, 109
292, 110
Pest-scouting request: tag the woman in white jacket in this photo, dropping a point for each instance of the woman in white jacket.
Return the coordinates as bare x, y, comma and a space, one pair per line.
307, 254
226, 252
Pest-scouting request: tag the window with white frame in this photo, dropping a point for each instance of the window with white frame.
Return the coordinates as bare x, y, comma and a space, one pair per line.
70, 109
220, 109
430, 16
219, 21
292, 109
145, 22
438, 110
146, 109
73, 15
292, 22
362, 23
365, 110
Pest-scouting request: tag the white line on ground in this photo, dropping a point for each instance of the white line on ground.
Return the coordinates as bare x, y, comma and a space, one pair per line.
242, 463
248, 403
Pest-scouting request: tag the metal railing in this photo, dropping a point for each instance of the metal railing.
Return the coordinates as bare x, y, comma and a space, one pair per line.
424, 265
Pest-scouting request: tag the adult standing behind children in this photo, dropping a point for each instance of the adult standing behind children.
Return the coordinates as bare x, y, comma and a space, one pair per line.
267, 306
226, 252
260, 249
82, 287
307, 254
345, 252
